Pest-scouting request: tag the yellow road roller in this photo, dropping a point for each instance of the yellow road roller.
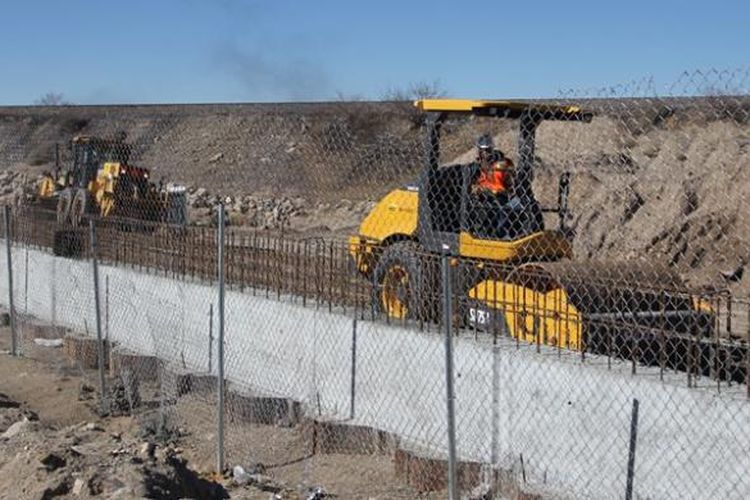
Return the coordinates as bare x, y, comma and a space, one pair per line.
514, 275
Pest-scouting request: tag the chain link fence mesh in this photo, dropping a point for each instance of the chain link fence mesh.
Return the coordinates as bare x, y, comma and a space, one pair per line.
596, 299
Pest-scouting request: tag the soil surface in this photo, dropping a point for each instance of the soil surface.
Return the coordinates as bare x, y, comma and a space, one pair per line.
55, 444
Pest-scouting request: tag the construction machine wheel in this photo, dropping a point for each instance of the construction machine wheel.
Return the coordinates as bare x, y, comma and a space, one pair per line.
64, 201
78, 207
403, 282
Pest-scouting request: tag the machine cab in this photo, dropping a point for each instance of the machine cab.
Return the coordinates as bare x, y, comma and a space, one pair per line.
505, 226
441, 212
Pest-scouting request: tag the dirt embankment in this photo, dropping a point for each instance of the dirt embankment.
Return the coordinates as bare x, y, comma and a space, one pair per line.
305, 166
676, 194
659, 180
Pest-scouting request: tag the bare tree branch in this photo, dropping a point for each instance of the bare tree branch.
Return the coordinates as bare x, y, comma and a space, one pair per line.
52, 99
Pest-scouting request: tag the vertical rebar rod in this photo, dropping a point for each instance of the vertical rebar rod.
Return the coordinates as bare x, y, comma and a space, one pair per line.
192, 247
558, 325
11, 309
747, 354
519, 318
729, 315
266, 263
689, 370
544, 333
288, 270
724, 363
242, 258
220, 354
318, 277
662, 335
255, 264
330, 277
609, 344
631, 450
450, 395
98, 317
713, 348
230, 258
162, 254
634, 340
536, 327
278, 258
294, 258
724, 360
354, 366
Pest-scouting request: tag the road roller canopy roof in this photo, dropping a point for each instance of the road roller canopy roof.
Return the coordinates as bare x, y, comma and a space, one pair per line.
504, 109
92, 139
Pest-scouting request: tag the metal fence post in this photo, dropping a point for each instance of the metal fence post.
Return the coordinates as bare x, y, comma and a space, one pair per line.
495, 424
26, 281
631, 451
220, 340
11, 309
106, 308
98, 316
210, 337
450, 395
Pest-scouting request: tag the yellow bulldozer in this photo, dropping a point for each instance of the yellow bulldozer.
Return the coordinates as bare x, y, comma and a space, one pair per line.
517, 276
101, 181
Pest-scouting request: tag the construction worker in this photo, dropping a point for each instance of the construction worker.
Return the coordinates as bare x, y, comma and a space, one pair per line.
495, 170
495, 208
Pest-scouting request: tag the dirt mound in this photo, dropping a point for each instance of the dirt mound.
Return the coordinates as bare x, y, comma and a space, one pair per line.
86, 460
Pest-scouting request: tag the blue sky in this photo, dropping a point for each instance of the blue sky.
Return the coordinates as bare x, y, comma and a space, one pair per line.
154, 51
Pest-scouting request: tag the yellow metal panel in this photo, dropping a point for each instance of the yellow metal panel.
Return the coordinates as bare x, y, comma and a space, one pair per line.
534, 317
106, 204
395, 214
46, 187
103, 187
469, 105
355, 242
464, 104
702, 305
541, 245
112, 168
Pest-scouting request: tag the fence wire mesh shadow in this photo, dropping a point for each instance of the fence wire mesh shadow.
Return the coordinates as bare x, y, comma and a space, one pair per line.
585, 255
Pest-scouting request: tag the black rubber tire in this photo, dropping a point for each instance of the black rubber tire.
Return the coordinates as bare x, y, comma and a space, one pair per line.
421, 294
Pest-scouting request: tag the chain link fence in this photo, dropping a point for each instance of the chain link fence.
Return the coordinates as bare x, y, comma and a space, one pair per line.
482, 299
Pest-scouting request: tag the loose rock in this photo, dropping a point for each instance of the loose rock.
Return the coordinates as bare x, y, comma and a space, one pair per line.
15, 429
78, 487
52, 462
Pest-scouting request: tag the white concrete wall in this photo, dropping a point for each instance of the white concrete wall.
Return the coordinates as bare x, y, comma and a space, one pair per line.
569, 420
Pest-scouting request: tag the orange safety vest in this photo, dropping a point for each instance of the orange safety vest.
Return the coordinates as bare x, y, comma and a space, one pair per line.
496, 181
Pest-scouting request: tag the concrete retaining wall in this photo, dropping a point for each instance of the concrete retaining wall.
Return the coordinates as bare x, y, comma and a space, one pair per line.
567, 420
